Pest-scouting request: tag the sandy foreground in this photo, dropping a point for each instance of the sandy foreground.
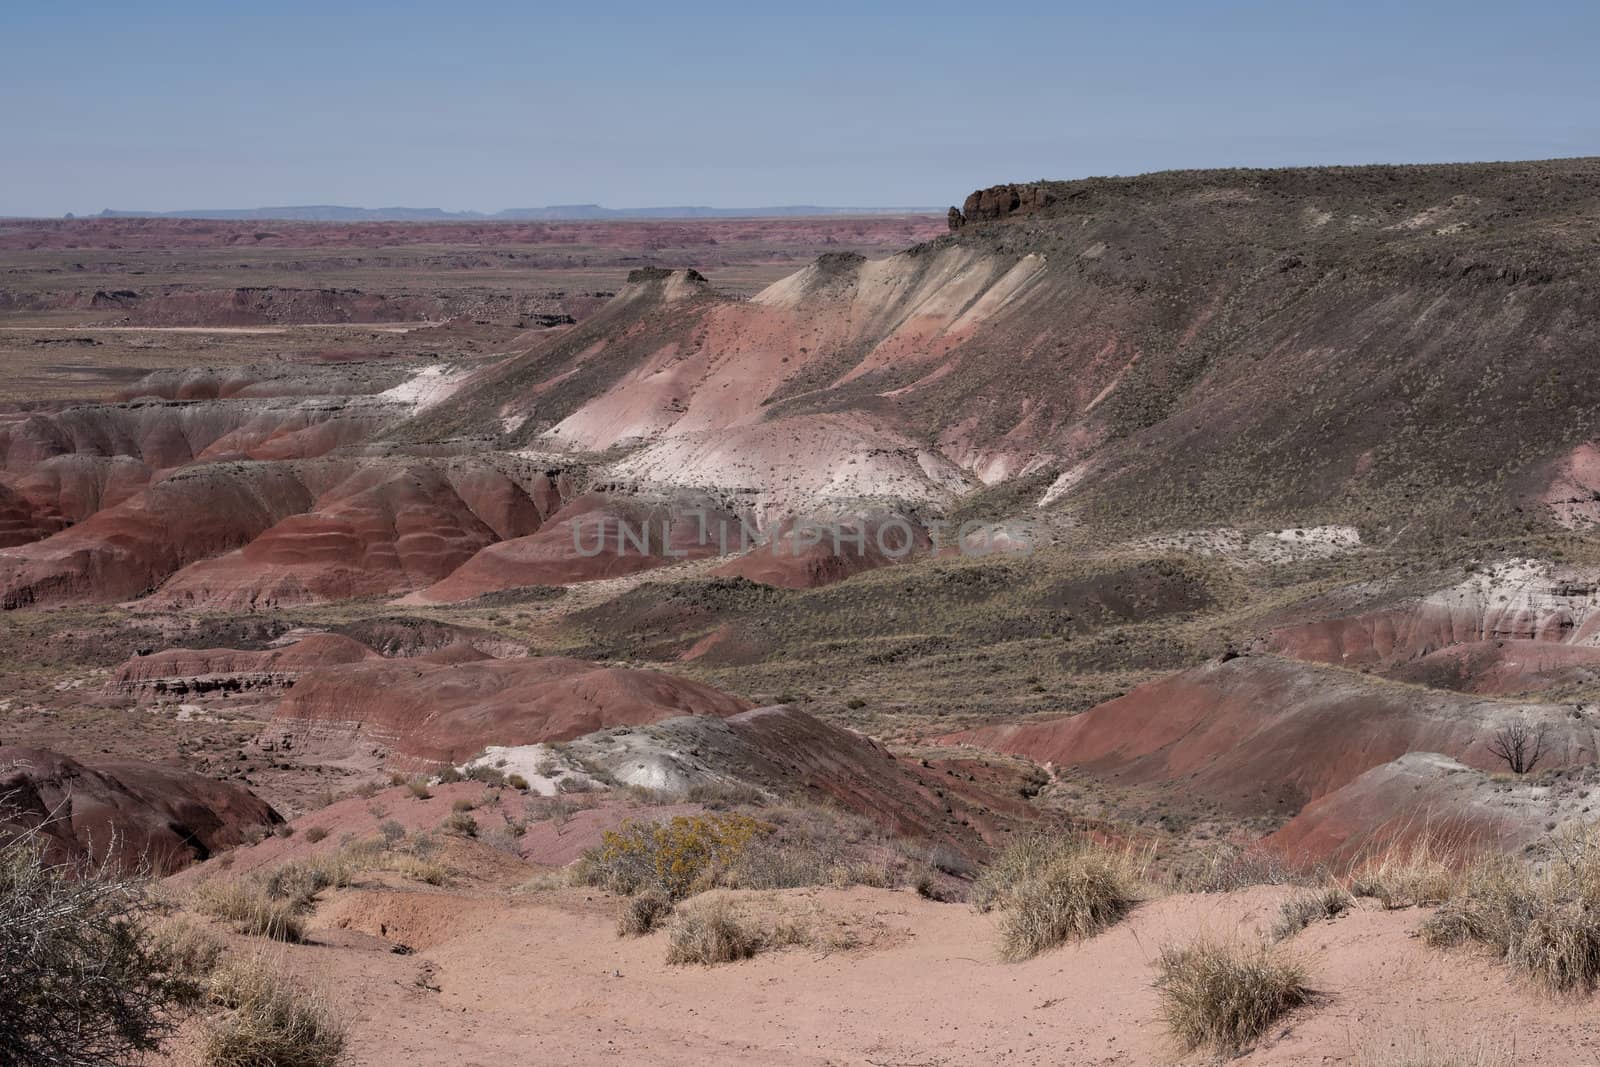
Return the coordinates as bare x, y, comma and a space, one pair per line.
892, 980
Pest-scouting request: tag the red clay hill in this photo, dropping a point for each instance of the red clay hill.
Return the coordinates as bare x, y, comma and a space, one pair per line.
134, 815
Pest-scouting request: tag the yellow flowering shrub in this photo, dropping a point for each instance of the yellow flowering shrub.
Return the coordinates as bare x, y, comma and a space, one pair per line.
674, 856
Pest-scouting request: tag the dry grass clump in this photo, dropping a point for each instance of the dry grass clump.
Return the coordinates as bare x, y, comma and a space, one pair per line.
267, 1021
1543, 921
418, 788
722, 796
1053, 889
1303, 909
811, 846
251, 909
270, 903
711, 932
417, 868
189, 949
1417, 1049
1227, 867
1425, 871
460, 824
643, 913
1224, 997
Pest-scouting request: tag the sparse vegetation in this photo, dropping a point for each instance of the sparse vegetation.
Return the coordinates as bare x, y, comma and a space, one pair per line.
268, 1021
674, 856
1418, 1049
250, 908
1407, 874
1227, 866
83, 978
1224, 997
486, 774
393, 833
1054, 888
460, 824
1303, 909
643, 913
316, 833
1544, 922
709, 932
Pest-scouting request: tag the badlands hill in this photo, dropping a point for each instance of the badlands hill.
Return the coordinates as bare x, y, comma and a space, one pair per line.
1340, 418
1404, 350
1393, 346
1238, 522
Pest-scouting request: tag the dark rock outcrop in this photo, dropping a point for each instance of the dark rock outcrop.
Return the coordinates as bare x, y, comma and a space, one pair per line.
1003, 201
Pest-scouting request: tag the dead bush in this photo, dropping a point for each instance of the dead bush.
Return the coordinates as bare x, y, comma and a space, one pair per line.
507, 839
268, 1020
643, 913
83, 980
460, 824
1224, 997
710, 932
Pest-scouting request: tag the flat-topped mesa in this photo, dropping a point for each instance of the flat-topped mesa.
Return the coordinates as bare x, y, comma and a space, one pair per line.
1001, 202
666, 285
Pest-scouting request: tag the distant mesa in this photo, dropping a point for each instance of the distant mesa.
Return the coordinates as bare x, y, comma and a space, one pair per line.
552, 213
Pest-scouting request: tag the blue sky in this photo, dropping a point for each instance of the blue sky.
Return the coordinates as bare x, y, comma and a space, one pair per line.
166, 106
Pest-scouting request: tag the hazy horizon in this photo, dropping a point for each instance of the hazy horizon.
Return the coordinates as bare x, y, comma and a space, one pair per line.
490, 106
